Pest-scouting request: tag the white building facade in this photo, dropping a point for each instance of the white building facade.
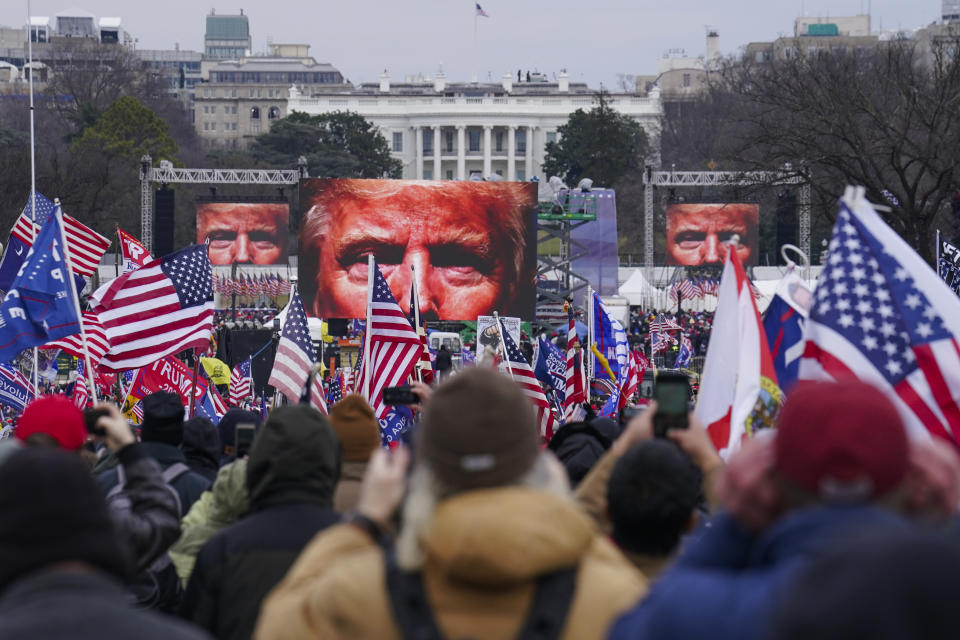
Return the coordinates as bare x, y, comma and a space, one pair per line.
443, 131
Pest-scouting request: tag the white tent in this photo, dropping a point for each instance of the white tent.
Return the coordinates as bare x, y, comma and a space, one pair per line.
636, 289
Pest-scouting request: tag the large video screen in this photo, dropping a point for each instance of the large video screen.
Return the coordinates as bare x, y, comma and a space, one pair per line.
243, 232
472, 244
695, 232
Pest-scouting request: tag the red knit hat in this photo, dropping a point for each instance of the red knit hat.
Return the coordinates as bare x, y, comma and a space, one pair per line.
843, 441
55, 416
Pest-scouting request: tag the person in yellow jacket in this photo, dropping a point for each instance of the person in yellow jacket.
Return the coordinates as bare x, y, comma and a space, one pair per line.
489, 531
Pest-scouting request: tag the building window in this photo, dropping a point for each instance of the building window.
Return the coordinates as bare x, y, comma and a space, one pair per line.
521, 175
499, 142
273, 113
474, 140
398, 142
251, 93
449, 174
255, 126
427, 173
213, 126
551, 136
254, 113
206, 126
522, 141
233, 109
686, 80
449, 141
233, 93
427, 142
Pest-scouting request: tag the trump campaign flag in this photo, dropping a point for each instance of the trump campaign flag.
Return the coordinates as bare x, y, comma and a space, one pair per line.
15, 390
881, 314
550, 367
40, 305
783, 323
135, 255
17, 249
739, 394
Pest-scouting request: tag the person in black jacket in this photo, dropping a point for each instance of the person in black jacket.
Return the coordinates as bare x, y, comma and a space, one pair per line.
162, 434
444, 363
293, 468
62, 564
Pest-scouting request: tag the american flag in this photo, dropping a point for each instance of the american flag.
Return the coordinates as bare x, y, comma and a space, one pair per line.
336, 390
80, 392
686, 288
480, 13
663, 323
158, 310
882, 315
394, 346
240, 383
575, 395
97, 342
86, 245
137, 410
295, 353
630, 382
660, 341
522, 374
697, 288
425, 364
219, 406
318, 396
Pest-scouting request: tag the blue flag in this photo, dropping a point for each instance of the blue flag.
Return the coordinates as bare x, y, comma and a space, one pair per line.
783, 323
394, 427
551, 367
15, 389
39, 306
205, 408
611, 341
17, 249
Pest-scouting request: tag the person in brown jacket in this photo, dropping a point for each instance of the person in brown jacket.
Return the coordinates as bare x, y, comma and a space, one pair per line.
489, 532
357, 429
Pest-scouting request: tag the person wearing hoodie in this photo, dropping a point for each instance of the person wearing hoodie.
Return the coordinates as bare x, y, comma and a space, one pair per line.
580, 445
357, 429
291, 474
201, 447
491, 544
216, 509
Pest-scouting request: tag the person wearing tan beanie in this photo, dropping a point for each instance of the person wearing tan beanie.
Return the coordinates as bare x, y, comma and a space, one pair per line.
357, 429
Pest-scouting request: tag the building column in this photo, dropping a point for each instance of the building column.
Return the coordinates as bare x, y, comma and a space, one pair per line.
461, 152
529, 154
487, 150
512, 153
436, 154
418, 134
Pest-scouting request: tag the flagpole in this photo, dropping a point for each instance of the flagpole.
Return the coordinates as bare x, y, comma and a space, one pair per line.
588, 361
503, 346
33, 172
58, 212
193, 385
416, 315
116, 256
371, 265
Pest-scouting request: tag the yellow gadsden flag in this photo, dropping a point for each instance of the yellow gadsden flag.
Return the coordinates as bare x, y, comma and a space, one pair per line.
217, 370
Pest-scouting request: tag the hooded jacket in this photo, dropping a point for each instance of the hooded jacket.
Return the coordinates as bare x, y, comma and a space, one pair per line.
291, 473
485, 550
216, 509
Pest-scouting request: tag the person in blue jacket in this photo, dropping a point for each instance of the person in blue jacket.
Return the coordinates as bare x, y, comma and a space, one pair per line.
840, 465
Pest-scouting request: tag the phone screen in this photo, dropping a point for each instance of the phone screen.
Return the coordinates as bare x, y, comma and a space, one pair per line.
244, 438
672, 393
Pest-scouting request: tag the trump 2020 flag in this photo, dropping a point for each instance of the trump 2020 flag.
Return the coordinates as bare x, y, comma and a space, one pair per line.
881, 314
783, 323
39, 306
550, 367
739, 394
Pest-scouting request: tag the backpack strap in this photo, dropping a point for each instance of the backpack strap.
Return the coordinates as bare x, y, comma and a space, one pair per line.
415, 621
174, 471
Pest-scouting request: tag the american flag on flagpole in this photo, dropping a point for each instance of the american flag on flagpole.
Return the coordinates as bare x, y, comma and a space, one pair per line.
158, 310
686, 288
295, 353
662, 323
480, 13
575, 394
881, 314
86, 245
522, 374
630, 382
318, 396
97, 342
240, 383
80, 392
395, 347
336, 390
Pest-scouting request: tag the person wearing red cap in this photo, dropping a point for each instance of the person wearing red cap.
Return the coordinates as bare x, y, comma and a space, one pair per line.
839, 466
52, 421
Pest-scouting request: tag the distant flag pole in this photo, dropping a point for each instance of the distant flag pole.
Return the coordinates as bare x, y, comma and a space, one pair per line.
33, 176
366, 335
76, 304
503, 345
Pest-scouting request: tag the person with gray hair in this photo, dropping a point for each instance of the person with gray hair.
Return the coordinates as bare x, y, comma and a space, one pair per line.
468, 242
490, 545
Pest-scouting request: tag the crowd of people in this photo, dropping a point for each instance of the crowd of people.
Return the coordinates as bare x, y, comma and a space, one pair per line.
834, 525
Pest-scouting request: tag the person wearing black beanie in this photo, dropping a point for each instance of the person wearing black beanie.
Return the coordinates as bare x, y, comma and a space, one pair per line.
61, 564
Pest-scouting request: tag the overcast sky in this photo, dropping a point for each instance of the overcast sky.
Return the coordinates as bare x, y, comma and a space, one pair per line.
594, 40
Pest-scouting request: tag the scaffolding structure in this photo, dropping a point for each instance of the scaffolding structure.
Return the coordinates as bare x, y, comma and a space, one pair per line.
786, 176
166, 173
556, 220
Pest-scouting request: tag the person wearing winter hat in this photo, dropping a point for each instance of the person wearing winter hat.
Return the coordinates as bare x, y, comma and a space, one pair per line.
838, 466
488, 531
62, 564
201, 446
162, 435
358, 431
